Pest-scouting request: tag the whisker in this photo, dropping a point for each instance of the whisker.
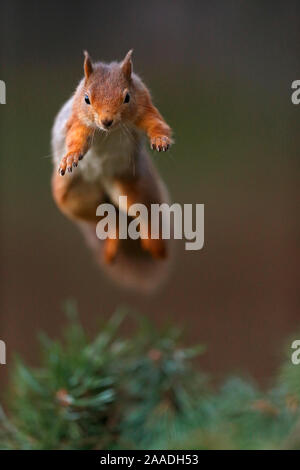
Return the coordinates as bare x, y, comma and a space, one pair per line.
93, 136
127, 132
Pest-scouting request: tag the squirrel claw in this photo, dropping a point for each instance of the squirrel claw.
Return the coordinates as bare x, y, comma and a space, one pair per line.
69, 162
160, 143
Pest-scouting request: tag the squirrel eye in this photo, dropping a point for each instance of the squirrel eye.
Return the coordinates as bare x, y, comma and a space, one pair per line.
86, 99
127, 98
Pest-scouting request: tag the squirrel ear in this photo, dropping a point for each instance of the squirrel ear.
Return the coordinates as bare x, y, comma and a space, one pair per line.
88, 67
126, 65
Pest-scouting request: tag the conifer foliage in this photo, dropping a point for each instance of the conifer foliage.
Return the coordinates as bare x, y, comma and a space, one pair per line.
141, 392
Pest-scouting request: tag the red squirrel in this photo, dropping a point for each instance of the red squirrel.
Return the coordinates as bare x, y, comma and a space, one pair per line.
99, 154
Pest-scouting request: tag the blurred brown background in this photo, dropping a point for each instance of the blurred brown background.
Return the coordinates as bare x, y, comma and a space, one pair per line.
221, 74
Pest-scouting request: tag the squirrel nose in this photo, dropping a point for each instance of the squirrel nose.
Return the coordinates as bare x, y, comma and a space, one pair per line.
107, 122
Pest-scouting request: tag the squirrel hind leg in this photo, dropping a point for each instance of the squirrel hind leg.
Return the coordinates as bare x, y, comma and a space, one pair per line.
76, 198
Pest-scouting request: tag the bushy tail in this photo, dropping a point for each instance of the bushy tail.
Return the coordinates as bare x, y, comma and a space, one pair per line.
133, 267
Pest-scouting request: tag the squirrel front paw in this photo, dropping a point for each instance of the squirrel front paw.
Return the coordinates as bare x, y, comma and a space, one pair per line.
70, 160
160, 143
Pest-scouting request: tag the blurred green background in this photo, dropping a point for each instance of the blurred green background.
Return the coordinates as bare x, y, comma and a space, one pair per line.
221, 74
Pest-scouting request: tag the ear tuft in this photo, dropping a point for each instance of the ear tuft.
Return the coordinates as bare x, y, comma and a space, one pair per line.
126, 65
88, 67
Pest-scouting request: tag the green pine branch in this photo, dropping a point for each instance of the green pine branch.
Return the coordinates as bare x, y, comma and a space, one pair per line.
141, 392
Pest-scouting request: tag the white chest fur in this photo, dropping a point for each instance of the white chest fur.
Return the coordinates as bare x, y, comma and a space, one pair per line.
111, 153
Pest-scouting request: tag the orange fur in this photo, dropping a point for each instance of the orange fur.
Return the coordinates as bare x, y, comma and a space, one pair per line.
76, 198
150, 121
77, 141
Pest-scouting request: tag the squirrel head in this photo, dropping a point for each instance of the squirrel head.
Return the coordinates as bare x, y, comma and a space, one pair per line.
106, 94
